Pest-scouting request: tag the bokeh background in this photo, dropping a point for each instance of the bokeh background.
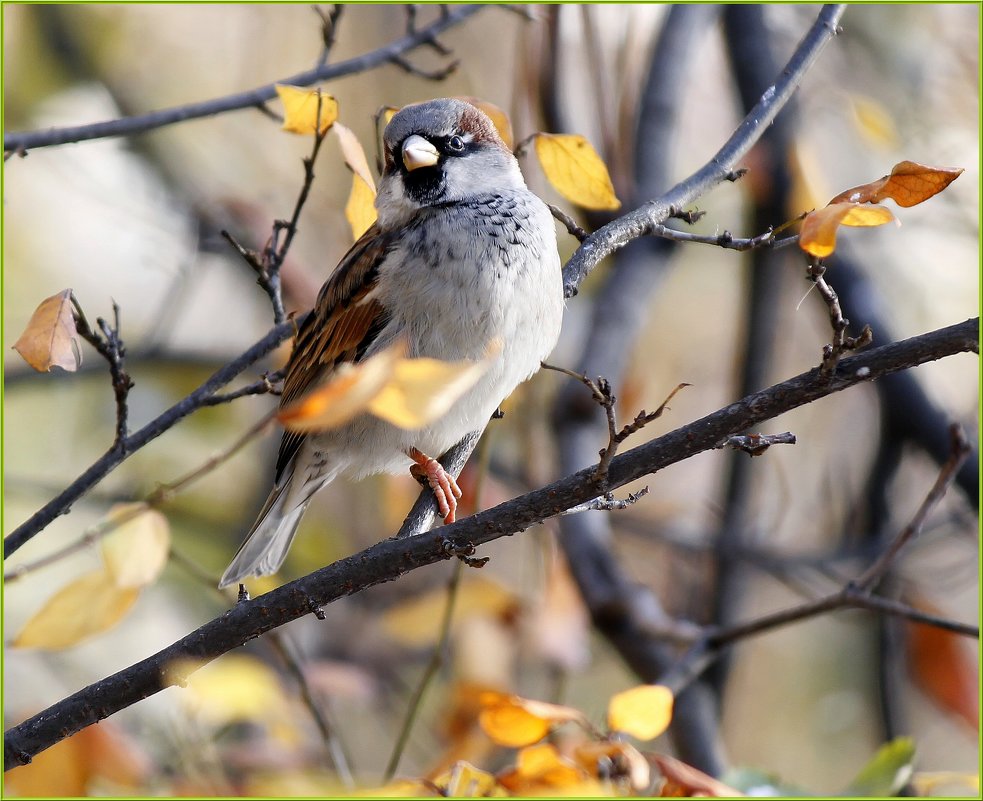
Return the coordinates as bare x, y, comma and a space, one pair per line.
136, 221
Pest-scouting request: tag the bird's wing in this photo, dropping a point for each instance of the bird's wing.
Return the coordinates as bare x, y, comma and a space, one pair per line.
345, 320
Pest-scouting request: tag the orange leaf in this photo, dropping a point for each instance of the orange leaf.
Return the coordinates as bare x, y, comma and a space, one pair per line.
541, 767
95, 754
942, 669
818, 234
908, 185
51, 339
301, 109
643, 712
513, 721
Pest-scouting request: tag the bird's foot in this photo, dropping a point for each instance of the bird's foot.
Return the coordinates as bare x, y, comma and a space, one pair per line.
444, 487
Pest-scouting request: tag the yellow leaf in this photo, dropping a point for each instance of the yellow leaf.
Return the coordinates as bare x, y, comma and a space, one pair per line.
866, 216
464, 780
50, 339
136, 551
498, 117
818, 234
874, 121
643, 712
346, 394
575, 170
232, 688
354, 155
416, 623
421, 390
360, 208
513, 721
301, 106
88, 605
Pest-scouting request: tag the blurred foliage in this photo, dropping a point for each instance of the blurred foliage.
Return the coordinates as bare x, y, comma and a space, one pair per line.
137, 221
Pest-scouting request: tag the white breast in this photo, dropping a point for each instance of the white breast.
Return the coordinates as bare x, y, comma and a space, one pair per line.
462, 278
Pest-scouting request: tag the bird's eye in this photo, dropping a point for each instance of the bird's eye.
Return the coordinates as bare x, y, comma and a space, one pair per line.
455, 144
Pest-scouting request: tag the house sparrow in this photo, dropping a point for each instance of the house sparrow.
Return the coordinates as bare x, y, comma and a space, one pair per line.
462, 255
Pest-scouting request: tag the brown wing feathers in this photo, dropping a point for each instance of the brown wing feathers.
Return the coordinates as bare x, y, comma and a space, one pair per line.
338, 330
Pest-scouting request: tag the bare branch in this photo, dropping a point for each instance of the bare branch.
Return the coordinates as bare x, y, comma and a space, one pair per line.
147, 122
115, 456
640, 222
390, 558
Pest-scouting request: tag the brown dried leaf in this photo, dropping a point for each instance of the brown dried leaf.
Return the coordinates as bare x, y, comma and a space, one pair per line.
818, 234
575, 170
51, 339
684, 780
908, 185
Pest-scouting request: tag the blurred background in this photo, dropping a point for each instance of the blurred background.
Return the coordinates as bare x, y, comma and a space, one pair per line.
136, 220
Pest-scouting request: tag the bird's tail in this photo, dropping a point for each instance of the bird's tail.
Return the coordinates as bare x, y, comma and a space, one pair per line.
269, 539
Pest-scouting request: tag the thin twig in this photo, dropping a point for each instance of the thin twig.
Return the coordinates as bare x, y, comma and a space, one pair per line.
857, 593
329, 30
569, 223
436, 660
872, 576
110, 346
841, 342
726, 240
111, 459
332, 744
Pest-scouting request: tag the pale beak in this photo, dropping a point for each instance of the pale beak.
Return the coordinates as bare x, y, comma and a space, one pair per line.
418, 152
